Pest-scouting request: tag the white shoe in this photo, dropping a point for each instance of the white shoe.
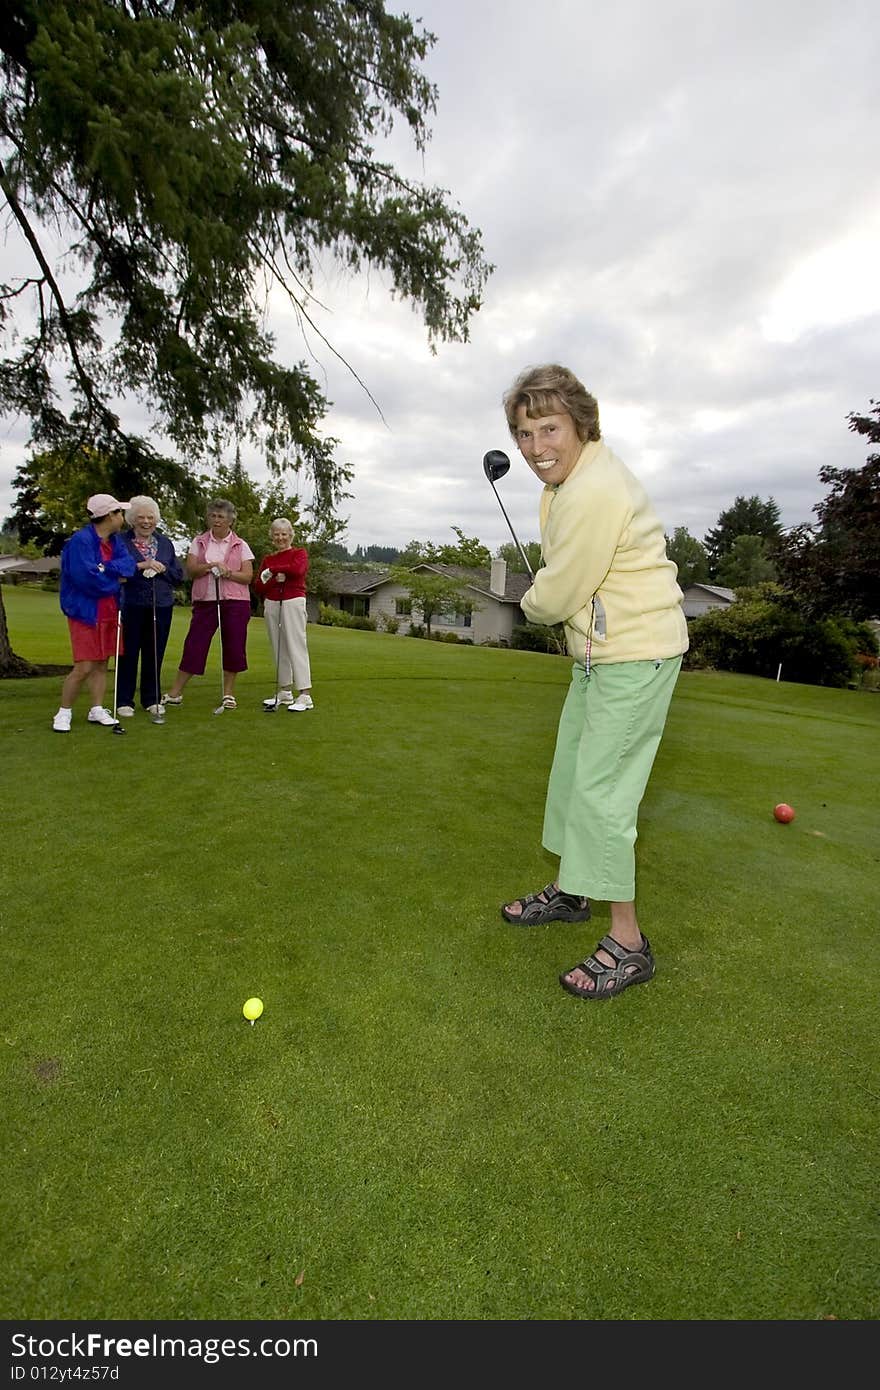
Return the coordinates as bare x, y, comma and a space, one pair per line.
99, 715
157, 710
284, 697
127, 711
302, 702
172, 699
61, 722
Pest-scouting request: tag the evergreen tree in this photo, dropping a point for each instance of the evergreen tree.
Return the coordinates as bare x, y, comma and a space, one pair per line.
748, 563
748, 516
188, 157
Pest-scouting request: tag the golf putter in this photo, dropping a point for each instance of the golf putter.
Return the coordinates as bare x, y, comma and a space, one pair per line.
117, 728
221, 707
156, 717
270, 709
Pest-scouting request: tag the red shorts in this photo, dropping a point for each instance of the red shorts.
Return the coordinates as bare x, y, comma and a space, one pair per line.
93, 643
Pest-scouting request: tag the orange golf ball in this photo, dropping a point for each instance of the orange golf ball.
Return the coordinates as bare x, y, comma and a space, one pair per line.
783, 812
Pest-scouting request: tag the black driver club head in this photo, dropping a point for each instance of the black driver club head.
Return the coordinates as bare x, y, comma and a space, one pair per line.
118, 729
495, 465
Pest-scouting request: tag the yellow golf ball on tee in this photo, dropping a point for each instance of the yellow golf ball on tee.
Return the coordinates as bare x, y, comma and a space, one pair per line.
252, 1008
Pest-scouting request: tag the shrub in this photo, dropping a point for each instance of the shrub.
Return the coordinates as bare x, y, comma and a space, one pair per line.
534, 637
763, 629
416, 630
335, 617
390, 623
331, 617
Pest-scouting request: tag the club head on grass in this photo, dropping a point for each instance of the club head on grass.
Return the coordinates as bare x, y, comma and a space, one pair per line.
495, 465
118, 729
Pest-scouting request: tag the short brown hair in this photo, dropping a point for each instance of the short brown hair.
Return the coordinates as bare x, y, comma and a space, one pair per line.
553, 390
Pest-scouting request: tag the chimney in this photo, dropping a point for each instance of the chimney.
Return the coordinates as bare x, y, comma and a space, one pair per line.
498, 578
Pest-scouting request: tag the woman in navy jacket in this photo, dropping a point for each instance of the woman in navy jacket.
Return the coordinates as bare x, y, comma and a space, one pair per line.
148, 603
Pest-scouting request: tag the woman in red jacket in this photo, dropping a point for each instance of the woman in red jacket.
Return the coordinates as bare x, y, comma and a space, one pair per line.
281, 581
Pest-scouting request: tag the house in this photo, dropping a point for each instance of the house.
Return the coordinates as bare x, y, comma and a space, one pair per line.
700, 598
495, 597
23, 568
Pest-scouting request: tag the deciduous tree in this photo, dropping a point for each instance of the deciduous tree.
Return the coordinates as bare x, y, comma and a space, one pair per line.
834, 567
433, 593
689, 555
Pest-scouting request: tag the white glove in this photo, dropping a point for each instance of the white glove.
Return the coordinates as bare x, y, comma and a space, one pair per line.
215, 571
265, 576
149, 574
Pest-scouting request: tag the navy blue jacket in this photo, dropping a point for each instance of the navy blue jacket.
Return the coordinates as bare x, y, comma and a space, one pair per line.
139, 591
85, 578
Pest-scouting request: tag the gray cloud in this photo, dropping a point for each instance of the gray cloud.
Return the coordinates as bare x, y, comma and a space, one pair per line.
647, 178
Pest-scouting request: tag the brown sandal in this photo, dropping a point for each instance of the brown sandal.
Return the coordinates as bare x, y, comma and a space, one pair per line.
632, 968
549, 905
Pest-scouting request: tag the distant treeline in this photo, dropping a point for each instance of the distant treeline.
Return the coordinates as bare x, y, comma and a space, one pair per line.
363, 554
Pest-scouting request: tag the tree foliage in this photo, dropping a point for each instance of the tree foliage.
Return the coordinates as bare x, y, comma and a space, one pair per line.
689, 555
748, 516
510, 553
747, 563
766, 628
470, 552
834, 567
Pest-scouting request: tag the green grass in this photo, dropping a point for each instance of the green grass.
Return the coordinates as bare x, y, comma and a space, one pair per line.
423, 1121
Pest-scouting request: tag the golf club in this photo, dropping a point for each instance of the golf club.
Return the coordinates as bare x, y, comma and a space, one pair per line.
495, 465
117, 727
273, 705
156, 717
220, 708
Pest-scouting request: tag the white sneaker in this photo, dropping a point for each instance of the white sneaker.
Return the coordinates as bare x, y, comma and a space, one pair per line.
99, 715
127, 711
157, 710
61, 722
285, 697
172, 699
302, 702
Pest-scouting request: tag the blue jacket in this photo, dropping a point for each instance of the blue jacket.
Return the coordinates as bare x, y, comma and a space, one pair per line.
139, 591
83, 582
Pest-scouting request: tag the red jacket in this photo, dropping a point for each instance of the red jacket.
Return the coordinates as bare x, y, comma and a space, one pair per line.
293, 564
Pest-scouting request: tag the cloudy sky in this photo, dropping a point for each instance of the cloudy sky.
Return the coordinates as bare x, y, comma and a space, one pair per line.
681, 199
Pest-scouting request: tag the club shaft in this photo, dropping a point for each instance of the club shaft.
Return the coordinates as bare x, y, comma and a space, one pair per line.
523, 555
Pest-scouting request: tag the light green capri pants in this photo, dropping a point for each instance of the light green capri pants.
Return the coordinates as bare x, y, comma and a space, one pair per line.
609, 732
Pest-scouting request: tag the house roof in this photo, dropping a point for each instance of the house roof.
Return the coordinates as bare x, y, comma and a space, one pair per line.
22, 564
359, 582
716, 589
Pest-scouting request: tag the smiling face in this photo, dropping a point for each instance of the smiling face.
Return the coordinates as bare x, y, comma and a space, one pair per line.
280, 536
144, 523
551, 446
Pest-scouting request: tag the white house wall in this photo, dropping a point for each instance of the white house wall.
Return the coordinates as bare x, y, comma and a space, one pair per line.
491, 622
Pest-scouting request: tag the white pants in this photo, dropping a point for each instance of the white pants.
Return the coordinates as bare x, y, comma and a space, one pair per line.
293, 659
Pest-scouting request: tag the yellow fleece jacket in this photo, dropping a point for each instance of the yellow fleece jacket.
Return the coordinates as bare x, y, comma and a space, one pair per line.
606, 573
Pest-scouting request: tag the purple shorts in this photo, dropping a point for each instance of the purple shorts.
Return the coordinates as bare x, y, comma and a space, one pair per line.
234, 617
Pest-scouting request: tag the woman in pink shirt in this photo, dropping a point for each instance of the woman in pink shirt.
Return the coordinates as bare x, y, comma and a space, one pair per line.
220, 565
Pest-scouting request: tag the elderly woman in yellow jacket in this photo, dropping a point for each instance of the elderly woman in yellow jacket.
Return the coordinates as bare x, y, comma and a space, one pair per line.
607, 578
